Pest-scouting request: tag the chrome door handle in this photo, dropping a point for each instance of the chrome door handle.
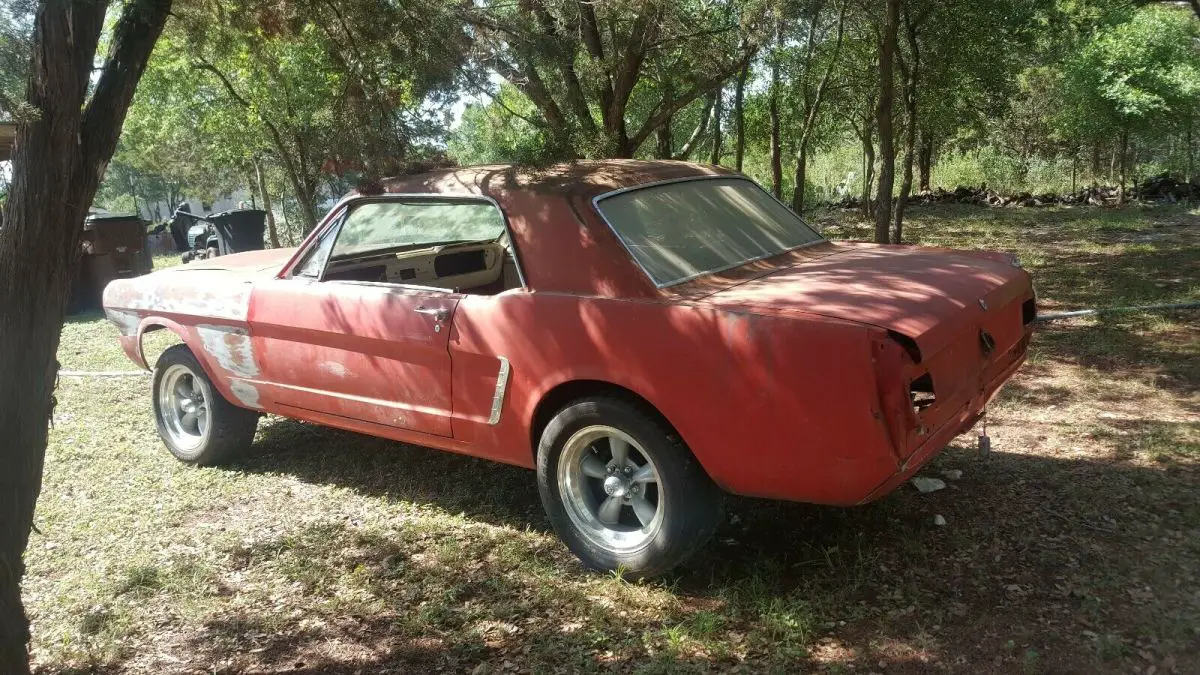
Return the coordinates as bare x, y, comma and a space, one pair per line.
439, 314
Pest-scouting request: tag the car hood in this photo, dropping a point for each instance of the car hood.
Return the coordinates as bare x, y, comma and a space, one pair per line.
918, 292
267, 260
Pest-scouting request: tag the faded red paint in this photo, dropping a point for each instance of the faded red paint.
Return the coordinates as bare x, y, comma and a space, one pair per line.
787, 378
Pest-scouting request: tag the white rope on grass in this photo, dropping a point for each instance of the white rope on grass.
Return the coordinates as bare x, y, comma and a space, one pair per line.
1054, 316
104, 373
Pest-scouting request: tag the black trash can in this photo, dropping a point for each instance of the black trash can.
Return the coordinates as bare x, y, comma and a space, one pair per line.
181, 220
114, 247
239, 230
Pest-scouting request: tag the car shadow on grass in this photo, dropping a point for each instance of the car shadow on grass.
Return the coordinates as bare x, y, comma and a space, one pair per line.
1036, 563
478, 488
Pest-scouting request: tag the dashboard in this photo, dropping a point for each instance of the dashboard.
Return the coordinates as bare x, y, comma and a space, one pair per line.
455, 267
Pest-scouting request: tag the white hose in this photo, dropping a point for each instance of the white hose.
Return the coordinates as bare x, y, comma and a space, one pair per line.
1053, 316
104, 373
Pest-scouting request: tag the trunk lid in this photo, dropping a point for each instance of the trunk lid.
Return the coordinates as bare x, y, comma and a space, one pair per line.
926, 294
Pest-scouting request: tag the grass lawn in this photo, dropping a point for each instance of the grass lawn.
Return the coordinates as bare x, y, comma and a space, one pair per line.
1075, 547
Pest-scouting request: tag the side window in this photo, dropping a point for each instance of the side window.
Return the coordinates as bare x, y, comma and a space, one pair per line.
314, 261
441, 242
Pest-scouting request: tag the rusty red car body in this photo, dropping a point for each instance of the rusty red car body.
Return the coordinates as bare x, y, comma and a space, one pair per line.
795, 377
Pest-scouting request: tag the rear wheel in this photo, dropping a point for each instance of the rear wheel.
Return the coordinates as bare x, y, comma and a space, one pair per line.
621, 490
195, 422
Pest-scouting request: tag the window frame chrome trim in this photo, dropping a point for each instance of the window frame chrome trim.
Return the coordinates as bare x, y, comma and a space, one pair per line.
345, 206
687, 179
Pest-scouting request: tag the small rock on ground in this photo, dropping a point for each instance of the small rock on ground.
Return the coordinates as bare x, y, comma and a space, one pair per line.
925, 484
952, 474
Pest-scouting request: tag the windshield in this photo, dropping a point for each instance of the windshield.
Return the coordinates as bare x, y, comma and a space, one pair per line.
375, 226
677, 231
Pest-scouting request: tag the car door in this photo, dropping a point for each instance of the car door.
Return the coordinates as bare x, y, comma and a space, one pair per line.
369, 351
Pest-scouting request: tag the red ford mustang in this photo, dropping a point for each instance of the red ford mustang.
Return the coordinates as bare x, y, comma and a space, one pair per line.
647, 335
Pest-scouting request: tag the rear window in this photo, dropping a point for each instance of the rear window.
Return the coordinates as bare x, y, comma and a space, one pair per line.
678, 231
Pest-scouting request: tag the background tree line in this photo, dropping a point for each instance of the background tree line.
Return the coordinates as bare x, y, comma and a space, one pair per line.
820, 100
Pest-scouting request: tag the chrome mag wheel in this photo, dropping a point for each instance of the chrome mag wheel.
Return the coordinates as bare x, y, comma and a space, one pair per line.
610, 488
183, 402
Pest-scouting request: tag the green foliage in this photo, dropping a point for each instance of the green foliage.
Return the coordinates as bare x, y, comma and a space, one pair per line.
1018, 94
16, 28
605, 76
1138, 75
504, 129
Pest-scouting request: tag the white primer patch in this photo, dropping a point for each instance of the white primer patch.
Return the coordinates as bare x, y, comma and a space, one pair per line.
246, 393
195, 293
231, 347
127, 322
334, 368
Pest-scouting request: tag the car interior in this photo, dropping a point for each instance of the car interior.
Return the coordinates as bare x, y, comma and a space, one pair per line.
484, 268
461, 246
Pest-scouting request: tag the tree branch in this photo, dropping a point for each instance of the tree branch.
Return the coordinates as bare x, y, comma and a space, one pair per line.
663, 113
810, 120
133, 40
293, 172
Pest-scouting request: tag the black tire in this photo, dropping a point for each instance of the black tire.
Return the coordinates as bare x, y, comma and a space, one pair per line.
228, 429
692, 506
213, 252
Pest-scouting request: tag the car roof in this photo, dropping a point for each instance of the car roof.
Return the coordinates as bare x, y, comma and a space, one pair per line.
562, 244
584, 178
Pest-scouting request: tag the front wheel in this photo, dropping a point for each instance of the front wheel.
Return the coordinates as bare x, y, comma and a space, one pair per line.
195, 422
622, 491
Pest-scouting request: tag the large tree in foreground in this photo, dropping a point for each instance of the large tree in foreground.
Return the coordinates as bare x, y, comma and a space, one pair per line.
62, 149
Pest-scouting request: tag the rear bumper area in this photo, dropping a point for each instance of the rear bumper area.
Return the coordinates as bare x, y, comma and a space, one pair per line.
960, 422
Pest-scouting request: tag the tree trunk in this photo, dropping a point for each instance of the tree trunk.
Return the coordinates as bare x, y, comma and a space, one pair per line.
718, 110
266, 200
58, 161
905, 183
812, 103
1188, 149
883, 120
739, 116
868, 169
925, 160
911, 82
287, 226
663, 134
701, 126
776, 159
1124, 165
1095, 164
307, 201
801, 178
663, 145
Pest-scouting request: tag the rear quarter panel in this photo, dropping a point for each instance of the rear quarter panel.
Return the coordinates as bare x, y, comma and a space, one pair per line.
778, 407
